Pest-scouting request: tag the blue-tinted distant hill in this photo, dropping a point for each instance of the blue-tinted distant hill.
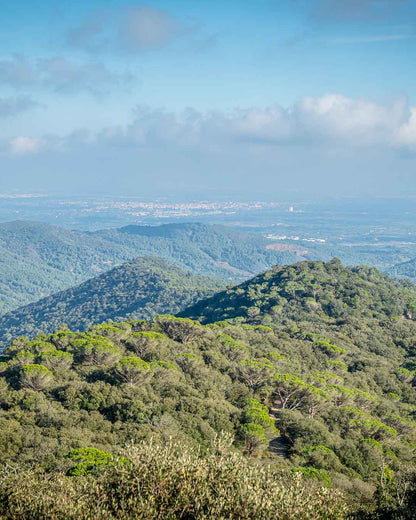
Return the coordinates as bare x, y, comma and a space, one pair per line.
404, 270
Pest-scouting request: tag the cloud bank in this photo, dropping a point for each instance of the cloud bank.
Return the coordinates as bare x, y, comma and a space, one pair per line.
321, 145
332, 119
326, 121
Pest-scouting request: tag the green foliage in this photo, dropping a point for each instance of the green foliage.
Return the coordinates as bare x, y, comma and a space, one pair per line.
51, 259
88, 460
331, 350
96, 351
255, 372
54, 359
25, 357
38, 347
35, 377
342, 293
253, 437
132, 370
171, 481
183, 330
143, 342
314, 474
256, 413
140, 288
162, 365
275, 387
231, 348
373, 427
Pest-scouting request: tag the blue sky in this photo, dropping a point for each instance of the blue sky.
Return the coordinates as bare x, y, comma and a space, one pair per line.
302, 97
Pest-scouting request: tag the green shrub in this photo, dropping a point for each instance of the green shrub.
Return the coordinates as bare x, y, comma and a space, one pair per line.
88, 460
168, 481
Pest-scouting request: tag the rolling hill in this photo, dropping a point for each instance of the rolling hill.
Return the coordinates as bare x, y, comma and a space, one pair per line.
404, 270
37, 260
314, 291
138, 289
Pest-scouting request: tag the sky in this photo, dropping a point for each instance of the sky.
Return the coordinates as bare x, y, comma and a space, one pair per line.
265, 99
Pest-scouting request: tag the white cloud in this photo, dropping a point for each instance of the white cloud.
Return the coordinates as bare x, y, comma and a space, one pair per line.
360, 122
320, 123
406, 133
332, 119
23, 145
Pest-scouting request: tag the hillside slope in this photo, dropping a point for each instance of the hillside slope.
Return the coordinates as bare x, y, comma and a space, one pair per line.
137, 289
313, 291
37, 260
404, 270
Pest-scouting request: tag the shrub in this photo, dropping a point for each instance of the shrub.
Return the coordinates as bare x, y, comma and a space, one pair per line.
169, 481
88, 460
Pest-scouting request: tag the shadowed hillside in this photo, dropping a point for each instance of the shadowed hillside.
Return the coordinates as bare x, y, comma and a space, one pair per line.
137, 289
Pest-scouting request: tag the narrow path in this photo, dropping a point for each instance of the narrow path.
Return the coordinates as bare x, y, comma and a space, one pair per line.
279, 447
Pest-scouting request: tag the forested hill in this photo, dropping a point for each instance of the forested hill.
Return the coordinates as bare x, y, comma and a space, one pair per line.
37, 259
404, 270
311, 291
205, 248
137, 289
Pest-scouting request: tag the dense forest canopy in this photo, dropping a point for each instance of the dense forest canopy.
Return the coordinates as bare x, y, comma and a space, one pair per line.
309, 369
138, 289
38, 259
315, 291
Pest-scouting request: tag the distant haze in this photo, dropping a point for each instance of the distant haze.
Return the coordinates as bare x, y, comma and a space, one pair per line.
306, 98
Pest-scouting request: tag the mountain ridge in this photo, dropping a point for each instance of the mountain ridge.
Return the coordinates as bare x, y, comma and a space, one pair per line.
136, 289
38, 259
320, 289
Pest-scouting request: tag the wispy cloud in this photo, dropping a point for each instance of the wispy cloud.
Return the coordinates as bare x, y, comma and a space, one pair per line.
15, 105
371, 38
60, 75
132, 29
